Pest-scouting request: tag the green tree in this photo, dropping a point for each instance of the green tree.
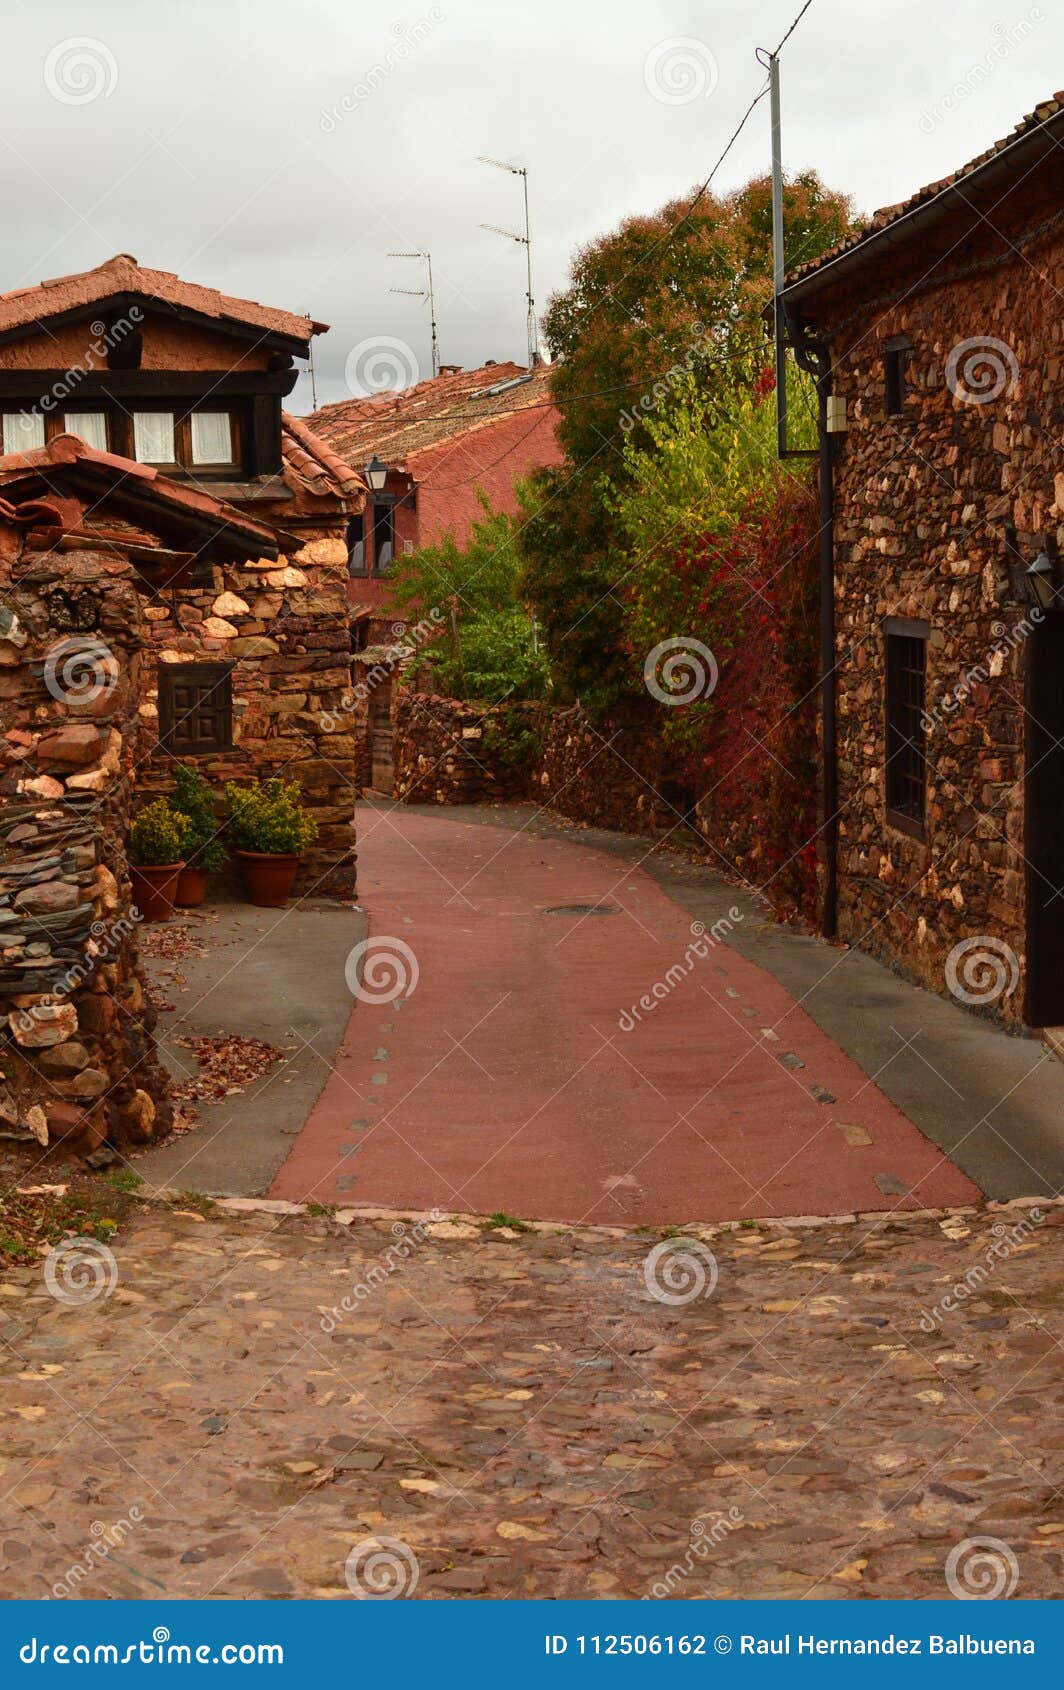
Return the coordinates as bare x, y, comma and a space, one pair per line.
488, 647
666, 305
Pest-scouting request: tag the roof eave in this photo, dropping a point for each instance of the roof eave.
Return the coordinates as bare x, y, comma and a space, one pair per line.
1012, 161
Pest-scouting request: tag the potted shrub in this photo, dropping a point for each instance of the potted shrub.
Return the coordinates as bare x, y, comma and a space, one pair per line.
269, 830
154, 850
201, 846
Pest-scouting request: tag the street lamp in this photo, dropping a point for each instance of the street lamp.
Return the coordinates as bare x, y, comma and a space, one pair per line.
376, 475
1041, 580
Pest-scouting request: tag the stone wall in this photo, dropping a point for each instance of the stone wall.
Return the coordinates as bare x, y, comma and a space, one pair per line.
284, 627
924, 502
453, 752
606, 774
76, 1048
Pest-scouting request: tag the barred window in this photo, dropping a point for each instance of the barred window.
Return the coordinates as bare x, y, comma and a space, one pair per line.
906, 767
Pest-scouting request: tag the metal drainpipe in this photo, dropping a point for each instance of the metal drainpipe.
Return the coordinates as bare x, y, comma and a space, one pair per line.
829, 733
814, 356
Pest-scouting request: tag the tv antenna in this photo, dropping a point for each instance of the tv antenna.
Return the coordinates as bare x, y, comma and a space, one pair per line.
427, 293
524, 240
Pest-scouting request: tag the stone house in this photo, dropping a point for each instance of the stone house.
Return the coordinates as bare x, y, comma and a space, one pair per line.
87, 543
441, 444
937, 339
246, 664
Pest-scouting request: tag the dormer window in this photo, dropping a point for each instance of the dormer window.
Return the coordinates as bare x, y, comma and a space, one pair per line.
23, 431
211, 437
199, 440
153, 437
91, 425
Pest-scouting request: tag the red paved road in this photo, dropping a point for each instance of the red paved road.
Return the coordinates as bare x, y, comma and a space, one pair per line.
505, 1080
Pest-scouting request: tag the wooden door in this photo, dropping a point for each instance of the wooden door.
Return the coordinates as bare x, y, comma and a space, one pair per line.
1044, 805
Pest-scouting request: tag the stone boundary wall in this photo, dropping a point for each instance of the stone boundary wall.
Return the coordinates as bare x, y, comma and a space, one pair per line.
284, 627
76, 1049
449, 751
607, 774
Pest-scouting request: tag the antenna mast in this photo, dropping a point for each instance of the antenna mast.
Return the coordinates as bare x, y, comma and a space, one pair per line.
428, 294
524, 240
313, 383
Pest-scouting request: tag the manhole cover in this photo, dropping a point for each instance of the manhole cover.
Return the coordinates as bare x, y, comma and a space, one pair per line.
584, 909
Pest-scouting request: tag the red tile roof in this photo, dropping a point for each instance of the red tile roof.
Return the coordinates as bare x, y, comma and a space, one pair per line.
69, 450
122, 274
396, 426
1050, 112
312, 464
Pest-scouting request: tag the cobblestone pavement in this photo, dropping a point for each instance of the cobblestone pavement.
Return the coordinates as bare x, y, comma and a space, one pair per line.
524, 1416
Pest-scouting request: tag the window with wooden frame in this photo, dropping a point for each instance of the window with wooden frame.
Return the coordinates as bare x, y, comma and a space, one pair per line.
906, 665
356, 545
199, 440
195, 708
204, 441
383, 535
23, 431
895, 356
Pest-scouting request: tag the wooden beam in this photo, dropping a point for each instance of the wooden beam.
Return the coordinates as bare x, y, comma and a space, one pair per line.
31, 386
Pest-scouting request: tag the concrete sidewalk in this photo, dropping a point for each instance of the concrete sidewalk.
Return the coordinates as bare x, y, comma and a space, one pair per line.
551, 1043
275, 975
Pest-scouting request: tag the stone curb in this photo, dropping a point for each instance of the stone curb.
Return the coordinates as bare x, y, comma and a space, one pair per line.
466, 1226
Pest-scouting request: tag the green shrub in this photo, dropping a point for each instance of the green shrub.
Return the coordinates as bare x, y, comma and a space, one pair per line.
193, 801
156, 835
269, 818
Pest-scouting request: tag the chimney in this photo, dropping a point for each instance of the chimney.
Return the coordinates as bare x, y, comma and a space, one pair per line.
450, 369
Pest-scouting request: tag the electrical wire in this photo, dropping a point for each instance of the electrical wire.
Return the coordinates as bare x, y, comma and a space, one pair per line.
704, 189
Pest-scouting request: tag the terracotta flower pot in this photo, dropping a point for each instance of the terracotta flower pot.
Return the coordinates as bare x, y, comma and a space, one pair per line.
268, 879
191, 887
154, 890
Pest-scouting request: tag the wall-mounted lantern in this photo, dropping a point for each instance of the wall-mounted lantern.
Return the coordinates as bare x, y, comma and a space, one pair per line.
376, 475
1041, 580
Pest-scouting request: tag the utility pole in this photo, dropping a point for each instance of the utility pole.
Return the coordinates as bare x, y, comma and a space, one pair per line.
428, 294
524, 240
779, 267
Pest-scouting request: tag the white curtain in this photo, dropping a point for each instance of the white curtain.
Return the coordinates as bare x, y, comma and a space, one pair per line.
91, 425
153, 437
211, 438
23, 431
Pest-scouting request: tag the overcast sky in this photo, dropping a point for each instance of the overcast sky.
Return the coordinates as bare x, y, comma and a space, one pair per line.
280, 151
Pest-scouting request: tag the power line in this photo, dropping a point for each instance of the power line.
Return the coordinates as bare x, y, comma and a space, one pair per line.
704, 189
